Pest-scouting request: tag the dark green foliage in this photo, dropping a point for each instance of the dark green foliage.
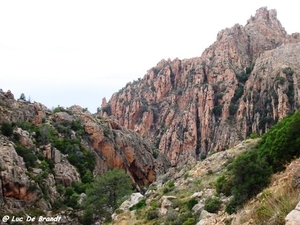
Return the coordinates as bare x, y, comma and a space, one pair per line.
28, 155
78, 156
288, 71
265, 120
106, 194
217, 110
238, 93
212, 204
59, 109
80, 187
280, 79
7, 129
107, 109
139, 205
44, 134
155, 153
232, 109
282, 143
291, 93
191, 203
249, 69
166, 190
171, 184
251, 174
242, 77
152, 214
190, 221
253, 135
22, 97
25, 125
224, 185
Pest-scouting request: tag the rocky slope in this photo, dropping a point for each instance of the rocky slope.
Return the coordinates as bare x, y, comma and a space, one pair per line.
243, 83
181, 196
44, 152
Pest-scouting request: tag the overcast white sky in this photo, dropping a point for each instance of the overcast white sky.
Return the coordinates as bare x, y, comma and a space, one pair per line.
65, 52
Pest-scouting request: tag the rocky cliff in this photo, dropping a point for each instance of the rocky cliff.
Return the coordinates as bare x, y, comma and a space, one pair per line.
243, 83
44, 152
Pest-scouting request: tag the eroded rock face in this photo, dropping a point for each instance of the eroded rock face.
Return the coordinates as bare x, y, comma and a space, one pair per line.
14, 182
53, 141
20, 110
243, 83
124, 149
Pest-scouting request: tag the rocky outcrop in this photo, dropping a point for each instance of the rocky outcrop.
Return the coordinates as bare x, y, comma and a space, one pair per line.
15, 183
122, 148
293, 217
243, 83
13, 172
44, 153
21, 110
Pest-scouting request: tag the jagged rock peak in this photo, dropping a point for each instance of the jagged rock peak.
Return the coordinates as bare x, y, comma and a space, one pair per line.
243, 83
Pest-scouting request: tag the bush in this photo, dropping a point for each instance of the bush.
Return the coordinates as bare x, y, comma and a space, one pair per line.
190, 221
239, 91
217, 110
251, 174
232, 109
28, 156
282, 143
151, 214
212, 204
191, 203
224, 185
7, 129
139, 205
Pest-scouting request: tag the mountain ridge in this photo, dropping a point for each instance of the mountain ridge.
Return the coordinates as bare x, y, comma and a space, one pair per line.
186, 108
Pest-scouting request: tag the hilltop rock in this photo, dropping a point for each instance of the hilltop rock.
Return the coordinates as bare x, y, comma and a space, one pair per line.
243, 83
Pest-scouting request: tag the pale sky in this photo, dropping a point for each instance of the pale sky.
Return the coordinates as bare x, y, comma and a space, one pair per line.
66, 52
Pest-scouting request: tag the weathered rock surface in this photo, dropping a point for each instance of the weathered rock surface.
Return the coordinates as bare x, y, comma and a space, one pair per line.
32, 166
134, 199
242, 83
14, 179
293, 217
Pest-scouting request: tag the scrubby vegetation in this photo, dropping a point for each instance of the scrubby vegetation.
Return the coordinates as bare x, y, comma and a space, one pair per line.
105, 195
249, 173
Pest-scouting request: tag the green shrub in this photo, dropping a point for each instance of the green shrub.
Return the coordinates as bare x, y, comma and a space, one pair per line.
224, 185
282, 143
28, 156
239, 91
171, 184
212, 204
139, 205
242, 77
7, 129
166, 190
232, 109
288, 71
191, 203
190, 221
251, 174
217, 110
151, 214
253, 135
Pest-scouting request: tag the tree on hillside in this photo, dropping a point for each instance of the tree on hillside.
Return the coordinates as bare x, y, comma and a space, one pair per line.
22, 97
105, 195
